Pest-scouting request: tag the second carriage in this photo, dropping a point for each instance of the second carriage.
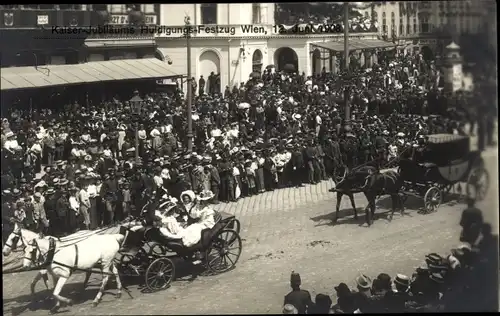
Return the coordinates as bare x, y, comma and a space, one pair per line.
447, 165
150, 255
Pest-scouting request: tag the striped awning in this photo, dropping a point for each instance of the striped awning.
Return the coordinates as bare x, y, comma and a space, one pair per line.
98, 71
355, 45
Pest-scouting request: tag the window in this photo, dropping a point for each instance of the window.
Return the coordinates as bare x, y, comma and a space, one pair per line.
117, 8
99, 7
375, 16
393, 23
401, 27
256, 13
209, 13
415, 25
425, 25
257, 61
148, 8
384, 23
70, 6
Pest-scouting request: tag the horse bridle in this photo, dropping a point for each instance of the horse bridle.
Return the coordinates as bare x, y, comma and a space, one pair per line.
36, 248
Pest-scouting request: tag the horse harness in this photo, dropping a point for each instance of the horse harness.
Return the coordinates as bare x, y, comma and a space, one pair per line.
50, 256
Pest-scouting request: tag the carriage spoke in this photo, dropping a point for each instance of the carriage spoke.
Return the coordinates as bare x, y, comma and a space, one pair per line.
234, 254
232, 262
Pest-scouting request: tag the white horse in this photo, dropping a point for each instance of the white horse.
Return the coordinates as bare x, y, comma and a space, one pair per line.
82, 256
24, 237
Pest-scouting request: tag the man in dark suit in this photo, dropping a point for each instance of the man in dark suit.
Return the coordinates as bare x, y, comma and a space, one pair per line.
297, 165
301, 299
201, 86
471, 222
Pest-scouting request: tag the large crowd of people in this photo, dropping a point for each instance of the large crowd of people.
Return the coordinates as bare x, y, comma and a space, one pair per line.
322, 14
460, 281
78, 167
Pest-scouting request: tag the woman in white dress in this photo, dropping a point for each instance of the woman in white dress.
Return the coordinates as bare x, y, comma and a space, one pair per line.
198, 211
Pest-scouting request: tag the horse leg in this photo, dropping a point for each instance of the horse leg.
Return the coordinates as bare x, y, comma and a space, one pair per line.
351, 197
339, 199
37, 278
370, 209
401, 204
59, 298
118, 281
86, 281
98, 297
393, 202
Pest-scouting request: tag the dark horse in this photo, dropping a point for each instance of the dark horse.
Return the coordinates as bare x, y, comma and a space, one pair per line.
369, 180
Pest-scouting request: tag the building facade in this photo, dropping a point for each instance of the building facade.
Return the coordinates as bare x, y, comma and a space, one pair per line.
428, 26
238, 39
28, 30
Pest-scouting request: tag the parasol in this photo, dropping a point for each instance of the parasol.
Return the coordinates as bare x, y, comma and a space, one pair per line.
243, 106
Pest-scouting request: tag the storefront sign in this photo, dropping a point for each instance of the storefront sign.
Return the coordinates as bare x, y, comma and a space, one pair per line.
123, 19
42, 19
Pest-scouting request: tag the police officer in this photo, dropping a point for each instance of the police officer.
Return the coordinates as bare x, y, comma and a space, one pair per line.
301, 299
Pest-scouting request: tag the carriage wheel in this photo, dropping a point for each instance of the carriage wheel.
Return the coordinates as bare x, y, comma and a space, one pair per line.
340, 174
234, 225
478, 184
159, 274
224, 251
432, 199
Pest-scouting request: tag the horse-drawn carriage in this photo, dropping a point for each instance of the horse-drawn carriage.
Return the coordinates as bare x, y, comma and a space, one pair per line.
446, 165
149, 254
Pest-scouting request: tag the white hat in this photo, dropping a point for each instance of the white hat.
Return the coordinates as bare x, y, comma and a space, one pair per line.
296, 116
400, 134
385, 132
9, 134
289, 309
188, 193
402, 279
453, 262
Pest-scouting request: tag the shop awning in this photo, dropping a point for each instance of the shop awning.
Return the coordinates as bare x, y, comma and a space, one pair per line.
98, 71
355, 45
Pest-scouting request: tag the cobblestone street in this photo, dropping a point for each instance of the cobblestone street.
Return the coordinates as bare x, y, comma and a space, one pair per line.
285, 230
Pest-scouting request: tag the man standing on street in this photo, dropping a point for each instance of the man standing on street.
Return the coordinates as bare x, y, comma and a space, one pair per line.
471, 223
301, 299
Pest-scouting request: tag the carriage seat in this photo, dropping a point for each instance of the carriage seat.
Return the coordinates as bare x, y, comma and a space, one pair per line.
207, 234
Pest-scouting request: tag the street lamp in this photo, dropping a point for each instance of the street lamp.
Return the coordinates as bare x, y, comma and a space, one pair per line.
136, 107
346, 61
187, 22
